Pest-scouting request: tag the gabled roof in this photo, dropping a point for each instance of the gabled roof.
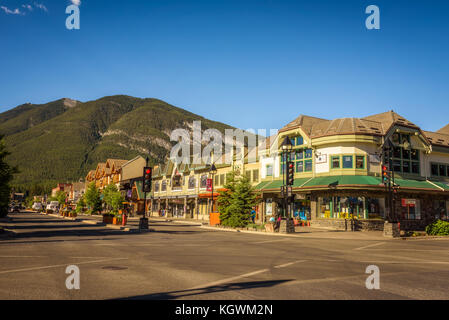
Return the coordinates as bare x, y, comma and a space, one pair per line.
377, 125
115, 164
444, 130
390, 118
100, 169
305, 122
438, 139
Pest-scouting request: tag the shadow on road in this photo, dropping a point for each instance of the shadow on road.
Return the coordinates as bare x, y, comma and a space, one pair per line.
207, 290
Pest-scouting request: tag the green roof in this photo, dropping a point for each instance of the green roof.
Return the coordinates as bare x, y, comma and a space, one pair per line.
442, 185
343, 180
347, 180
406, 183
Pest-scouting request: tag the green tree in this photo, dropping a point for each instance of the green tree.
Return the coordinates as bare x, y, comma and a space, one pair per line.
6, 176
60, 197
113, 197
235, 204
81, 204
92, 198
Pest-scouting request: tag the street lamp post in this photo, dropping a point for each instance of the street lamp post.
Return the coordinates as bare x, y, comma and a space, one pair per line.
212, 171
286, 147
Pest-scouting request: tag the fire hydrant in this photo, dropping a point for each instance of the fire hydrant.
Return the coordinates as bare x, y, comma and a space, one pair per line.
124, 219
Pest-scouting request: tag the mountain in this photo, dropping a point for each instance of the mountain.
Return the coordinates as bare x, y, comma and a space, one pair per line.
64, 139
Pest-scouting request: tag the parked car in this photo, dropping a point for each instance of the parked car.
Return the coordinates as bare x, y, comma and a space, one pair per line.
53, 206
37, 206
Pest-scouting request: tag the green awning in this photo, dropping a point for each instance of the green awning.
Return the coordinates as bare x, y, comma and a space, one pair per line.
356, 181
443, 185
415, 184
343, 180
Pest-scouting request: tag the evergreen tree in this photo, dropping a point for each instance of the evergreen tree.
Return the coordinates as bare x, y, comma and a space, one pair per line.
80, 205
236, 203
225, 196
6, 175
92, 198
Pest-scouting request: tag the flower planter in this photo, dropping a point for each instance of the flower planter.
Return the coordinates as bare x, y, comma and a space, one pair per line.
107, 219
116, 221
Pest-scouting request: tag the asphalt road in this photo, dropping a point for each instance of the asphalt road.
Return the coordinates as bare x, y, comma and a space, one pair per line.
179, 261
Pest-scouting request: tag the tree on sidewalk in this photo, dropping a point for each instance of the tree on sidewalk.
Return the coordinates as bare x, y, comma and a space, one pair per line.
113, 198
92, 198
237, 201
61, 196
6, 176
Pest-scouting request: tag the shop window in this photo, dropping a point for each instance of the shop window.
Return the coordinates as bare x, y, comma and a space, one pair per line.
335, 162
176, 181
414, 154
415, 167
308, 154
434, 169
300, 166
256, 175
406, 166
442, 170
360, 162
299, 141
292, 156
308, 165
347, 162
405, 154
203, 181
269, 170
405, 160
299, 155
222, 179
440, 209
397, 152
248, 175
397, 165
350, 207
192, 182
410, 209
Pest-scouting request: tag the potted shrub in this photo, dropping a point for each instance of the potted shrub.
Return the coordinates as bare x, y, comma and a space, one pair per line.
107, 218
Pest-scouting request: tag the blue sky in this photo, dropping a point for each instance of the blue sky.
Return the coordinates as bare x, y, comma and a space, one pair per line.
247, 63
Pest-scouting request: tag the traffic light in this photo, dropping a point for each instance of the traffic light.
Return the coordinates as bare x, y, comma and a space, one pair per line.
147, 174
290, 173
385, 174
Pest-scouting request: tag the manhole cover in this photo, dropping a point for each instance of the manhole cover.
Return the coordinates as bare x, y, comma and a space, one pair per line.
114, 268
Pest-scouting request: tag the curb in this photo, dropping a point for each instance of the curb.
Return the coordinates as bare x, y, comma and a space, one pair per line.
277, 234
93, 222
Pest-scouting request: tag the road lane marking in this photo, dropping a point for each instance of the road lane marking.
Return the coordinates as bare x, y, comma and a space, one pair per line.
245, 275
23, 256
371, 245
60, 265
268, 241
296, 282
289, 264
406, 262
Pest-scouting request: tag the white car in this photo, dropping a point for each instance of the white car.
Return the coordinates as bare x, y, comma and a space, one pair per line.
53, 205
37, 206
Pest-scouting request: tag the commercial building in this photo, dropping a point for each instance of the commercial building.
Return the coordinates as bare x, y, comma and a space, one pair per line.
338, 171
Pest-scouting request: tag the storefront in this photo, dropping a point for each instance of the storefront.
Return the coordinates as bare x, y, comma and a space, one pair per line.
348, 207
